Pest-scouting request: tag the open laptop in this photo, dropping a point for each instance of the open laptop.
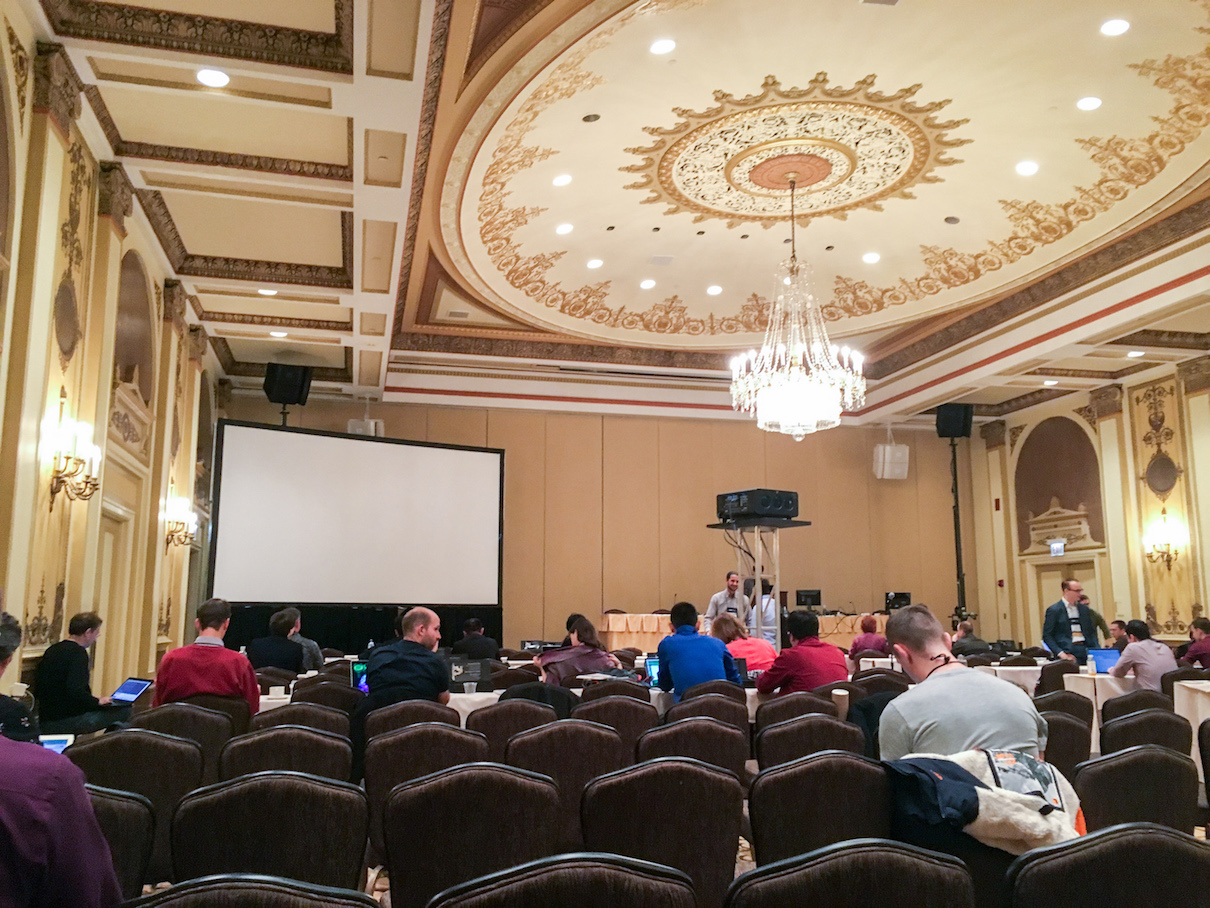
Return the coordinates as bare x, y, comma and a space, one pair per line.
359, 677
653, 670
129, 691
57, 743
1104, 659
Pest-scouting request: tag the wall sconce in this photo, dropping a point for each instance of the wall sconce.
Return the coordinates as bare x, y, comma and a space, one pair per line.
180, 522
76, 470
1164, 541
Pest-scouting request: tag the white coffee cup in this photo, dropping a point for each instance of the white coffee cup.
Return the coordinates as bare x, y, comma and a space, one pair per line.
19, 689
277, 691
468, 687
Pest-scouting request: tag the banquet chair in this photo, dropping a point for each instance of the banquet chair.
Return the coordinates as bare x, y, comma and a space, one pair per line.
1132, 702
1050, 680
699, 738
716, 706
1184, 673
1067, 701
294, 806
341, 672
210, 728
1203, 746
237, 890
235, 707
625, 715
274, 677
523, 806
726, 688
1036, 652
512, 676
287, 747
1144, 784
127, 821
1068, 742
855, 689
506, 653
815, 801
329, 652
1021, 660
697, 827
328, 693
805, 735
855, 874
572, 752
881, 680
409, 712
980, 659
625, 656
503, 719
856, 657
1087, 872
618, 687
562, 699
160, 767
311, 715
1147, 726
791, 706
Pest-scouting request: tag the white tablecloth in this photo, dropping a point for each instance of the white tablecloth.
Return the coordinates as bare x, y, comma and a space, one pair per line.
1024, 676
1098, 688
1192, 700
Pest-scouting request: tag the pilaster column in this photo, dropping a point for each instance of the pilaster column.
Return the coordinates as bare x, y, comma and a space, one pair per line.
989, 481
1194, 379
1119, 494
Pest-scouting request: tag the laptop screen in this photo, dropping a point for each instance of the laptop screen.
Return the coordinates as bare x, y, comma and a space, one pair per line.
57, 743
359, 677
130, 690
653, 670
1104, 659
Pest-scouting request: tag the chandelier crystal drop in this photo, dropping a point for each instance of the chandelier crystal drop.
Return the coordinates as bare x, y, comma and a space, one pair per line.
799, 382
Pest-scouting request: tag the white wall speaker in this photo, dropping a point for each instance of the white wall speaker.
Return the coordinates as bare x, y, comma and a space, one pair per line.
891, 461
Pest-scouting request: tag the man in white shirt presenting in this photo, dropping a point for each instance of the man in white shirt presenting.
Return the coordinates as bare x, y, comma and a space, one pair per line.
727, 601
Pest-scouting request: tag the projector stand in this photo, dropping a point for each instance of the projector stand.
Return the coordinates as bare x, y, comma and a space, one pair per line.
284, 414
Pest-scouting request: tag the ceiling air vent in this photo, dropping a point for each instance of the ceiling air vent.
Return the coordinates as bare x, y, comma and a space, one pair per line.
881, 2
661, 260
459, 313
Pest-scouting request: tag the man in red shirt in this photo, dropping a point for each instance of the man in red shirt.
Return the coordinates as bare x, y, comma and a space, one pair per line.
1199, 652
206, 666
808, 663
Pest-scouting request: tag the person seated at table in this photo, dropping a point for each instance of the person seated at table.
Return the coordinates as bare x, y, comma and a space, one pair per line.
474, 644
206, 666
807, 663
1199, 651
869, 638
756, 652
571, 622
585, 655
767, 614
16, 722
688, 658
966, 642
1149, 658
1117, 634
278, 650
66, 705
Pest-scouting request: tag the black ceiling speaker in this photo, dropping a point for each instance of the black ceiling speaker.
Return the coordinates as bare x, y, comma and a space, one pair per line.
287, 385
955, 420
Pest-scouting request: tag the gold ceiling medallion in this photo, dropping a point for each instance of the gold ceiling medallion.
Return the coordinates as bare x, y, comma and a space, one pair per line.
850, 147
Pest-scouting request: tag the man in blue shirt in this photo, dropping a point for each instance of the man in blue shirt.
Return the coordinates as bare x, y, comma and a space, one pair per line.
687, 658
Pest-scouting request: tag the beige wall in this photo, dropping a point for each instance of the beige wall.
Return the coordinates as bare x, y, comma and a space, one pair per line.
611, 511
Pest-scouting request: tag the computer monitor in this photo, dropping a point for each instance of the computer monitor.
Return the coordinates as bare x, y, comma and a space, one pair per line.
897, 600
808, 598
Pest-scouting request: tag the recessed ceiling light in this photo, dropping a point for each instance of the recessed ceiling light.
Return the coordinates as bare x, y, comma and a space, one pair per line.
267, 292
1115, 27
714, 290
1049, 382
1135, 354
871, 258
647, 284
278, 334
1089, 103
562, 179
564, 229
1027, 168
663, 46
214, 78
595, 263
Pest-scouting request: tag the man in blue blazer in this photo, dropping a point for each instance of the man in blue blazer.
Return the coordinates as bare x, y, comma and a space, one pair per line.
1069, 631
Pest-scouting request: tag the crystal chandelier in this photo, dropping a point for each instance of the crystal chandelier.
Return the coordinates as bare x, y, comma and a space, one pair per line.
799, 382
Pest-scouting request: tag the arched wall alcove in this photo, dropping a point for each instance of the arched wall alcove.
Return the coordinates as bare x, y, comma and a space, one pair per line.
1057, 462
134, 340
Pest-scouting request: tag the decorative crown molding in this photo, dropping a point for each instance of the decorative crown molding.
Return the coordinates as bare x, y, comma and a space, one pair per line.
1194, 374
1106, 401
233, 367
175, 300
57, 87
1179, 340
208, 35
21, 66
993, 434
1033, 398
115, 194
196, 339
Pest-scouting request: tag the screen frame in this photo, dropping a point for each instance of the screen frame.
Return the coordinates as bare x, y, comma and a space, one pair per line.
216, 499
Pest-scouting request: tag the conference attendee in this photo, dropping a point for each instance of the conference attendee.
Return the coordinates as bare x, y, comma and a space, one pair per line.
966, 642
52, 851
807, 663
768, 614
1117, 633
585, 655
687, 658
869, 638
571, 622
16, 722
206, 666
313, 657
1069, 631
474, 643
952, 708
1098, 619
66, 705
758, 653
278, 650
1199, 652
727, 601
1149, 658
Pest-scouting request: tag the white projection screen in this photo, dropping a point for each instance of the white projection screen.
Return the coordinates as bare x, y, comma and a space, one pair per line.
305, 517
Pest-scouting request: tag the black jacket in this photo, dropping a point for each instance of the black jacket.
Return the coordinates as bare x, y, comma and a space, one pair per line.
477, 646
278, 652
61, 682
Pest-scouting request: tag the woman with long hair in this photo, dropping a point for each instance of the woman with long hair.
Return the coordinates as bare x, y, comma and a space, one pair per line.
757, 652
586, 654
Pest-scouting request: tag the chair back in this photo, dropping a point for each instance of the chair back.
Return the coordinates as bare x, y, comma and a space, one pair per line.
726, 688
855, 690
127, 821
697, 832
311, 715
235, 707
1068, 743
625, 656
274, 677
572, 752
409, 753
853, 875
815, 801
1067, 701
210, 728
1051, 678
806, 735
625, 715
856, 657
409, 712
237, 890
618, 687
791, 706
699, 738
328, 693
291, 748
980, 659
1037, 652
1087, 872
330, 653
341, 672
503, 719
1133, 702
1147, 784
716, 706
160, 767
881, 680
437, 806
510, 676
507, 653
562, 699
295, 806
1203, 746
1147, 726
1021, 660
